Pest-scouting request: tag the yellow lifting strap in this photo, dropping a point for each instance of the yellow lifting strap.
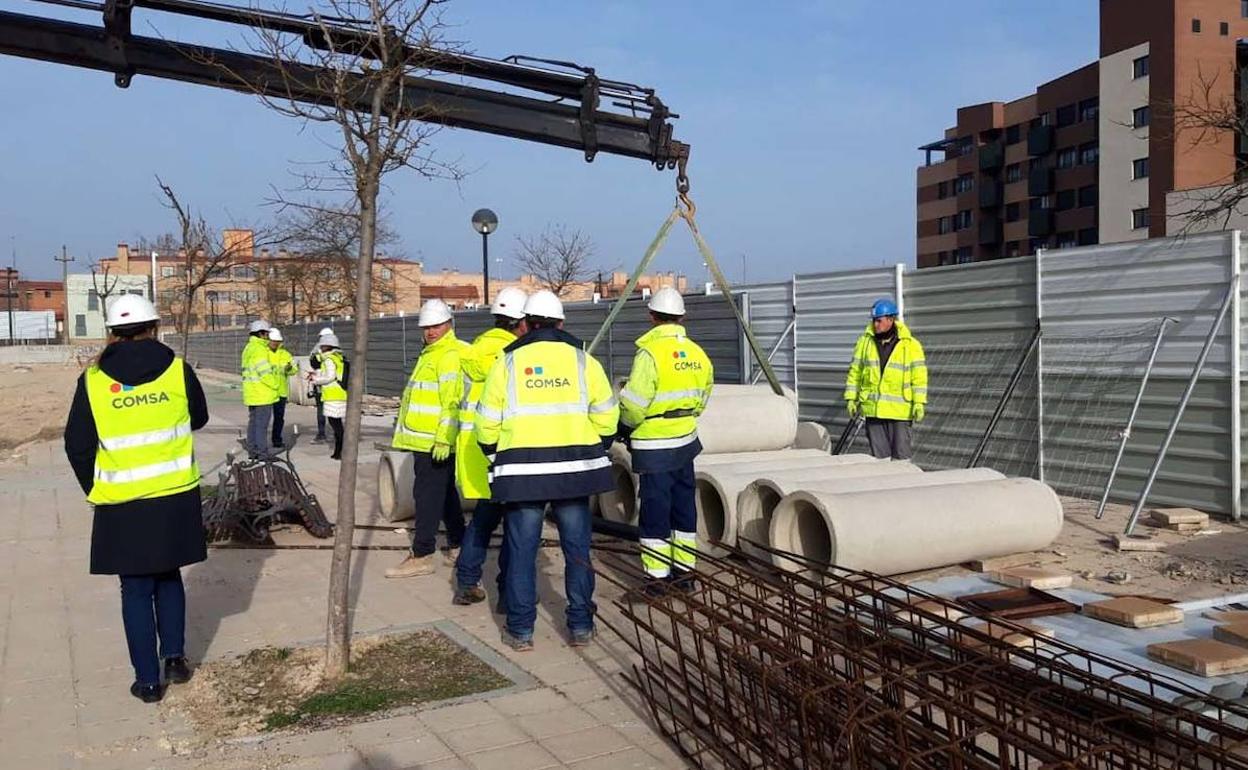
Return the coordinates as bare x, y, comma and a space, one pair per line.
686, 210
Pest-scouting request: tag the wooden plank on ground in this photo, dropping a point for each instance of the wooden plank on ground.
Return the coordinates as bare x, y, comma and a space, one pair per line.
1013, 560
1133, 612
1204, 657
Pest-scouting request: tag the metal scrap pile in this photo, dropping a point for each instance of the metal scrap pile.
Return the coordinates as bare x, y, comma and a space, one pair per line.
750, 668
255, 494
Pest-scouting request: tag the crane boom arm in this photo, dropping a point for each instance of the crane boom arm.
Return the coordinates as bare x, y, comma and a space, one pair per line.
647, 136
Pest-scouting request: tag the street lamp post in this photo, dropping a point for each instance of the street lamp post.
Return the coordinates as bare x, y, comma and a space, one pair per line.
485, 222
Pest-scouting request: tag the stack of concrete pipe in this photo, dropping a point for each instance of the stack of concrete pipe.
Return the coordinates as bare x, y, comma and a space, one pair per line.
763, 480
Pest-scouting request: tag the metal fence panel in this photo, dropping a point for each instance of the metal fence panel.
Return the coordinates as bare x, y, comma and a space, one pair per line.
832, 311
771, 314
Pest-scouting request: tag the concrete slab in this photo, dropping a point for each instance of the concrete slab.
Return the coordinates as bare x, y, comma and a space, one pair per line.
1167, 517
1206, 657
1039, 578
1148, 543
1233, 633
1134, 613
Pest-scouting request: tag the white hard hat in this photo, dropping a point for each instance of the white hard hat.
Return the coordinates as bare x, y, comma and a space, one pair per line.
544, 304
510, 303
275, 335
667, 301
328, 340
325, 332
434, 312
258, 325
130, 309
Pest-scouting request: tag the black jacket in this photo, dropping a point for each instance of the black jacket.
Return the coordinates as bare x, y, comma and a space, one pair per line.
144, 536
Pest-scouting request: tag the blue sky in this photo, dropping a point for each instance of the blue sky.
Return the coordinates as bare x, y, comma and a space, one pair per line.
804, 117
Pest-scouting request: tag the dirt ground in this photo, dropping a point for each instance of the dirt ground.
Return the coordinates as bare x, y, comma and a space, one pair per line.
35, 404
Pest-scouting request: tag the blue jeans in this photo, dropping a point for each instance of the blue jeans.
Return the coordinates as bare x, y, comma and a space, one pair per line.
153, 606
258, 429
279, 421
474, 549
320, 415
523, 523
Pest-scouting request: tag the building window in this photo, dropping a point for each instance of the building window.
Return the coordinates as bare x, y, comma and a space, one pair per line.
944, 225
1196, 26
1066, 241
47, 295
1014, 134
1046, 118
166, 271
136, 292
1139, 168
1089, 109
1089, 154
1039, 243
244, 271
1088, 237
1066, 200
1139, 219
1066, 158
963, 255
942, 190
1012, 249
1014, 172
93, 299
964, 183
1224, 29
1013, 212
1243, 9
944, 258
1140, 66
963, 220
1142, 117
80, 325
1087, 196
1067, 115
386, 274
966, 146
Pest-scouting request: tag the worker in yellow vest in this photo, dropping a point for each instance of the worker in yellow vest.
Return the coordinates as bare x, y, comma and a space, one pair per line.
471, 467
330, 378
546, 417
667, 389
128, 439
283, 368
887, 383
260, 388
427, 426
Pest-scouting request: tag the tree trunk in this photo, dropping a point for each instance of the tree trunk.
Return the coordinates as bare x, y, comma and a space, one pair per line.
186, 319
338, 626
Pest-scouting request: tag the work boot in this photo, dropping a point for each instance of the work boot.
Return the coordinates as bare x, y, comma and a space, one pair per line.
681, 582
516, 643
148, 693
319, 440
652, 590
469, 595
412, 566
582, 638
177, 670
451, 555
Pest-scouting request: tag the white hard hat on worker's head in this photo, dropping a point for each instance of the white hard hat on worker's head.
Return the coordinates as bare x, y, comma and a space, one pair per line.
130, 309
667, 301
510, 303
328, 341
275, 335
544, 304
258, 325
325, 332
433, 313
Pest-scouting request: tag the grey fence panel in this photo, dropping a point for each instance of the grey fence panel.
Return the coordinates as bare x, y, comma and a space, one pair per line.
771, 312
1085, 292
387, 360
833, 309
974, 322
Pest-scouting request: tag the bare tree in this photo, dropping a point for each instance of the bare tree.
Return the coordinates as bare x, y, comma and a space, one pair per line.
365, 52
102, 286
557, 258
204, 256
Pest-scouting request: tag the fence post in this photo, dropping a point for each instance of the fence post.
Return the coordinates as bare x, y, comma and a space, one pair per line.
1236, 375
1040, 366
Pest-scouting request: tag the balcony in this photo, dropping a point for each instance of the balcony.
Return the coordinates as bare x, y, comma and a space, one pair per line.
992, 156
1040, 182
1039, 140
989, 230
1040, 223
991, 194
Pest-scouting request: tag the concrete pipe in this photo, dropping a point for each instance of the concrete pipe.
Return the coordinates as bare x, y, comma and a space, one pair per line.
748, 423
716, 491
892, 531
620, 504
812, 435
396, 479
759, 500
705, 460
300, 388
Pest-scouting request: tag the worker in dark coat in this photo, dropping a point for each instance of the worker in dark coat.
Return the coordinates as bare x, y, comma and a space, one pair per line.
128, 439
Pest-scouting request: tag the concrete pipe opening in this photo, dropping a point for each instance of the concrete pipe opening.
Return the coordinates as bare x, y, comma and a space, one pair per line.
800, 526
715, 521
755, 505
620, 504
385, 487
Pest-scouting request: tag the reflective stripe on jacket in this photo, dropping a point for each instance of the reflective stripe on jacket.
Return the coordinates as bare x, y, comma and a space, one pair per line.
471, 468
544, 412
260, 380
891, 394
145, 446
429, 413
668, 387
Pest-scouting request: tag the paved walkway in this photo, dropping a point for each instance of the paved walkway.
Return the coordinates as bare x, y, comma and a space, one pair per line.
64, 673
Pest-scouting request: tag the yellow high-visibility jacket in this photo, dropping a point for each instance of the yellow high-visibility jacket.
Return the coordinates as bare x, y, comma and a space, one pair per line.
429, 412
893, 393
472, 470
668, 387
260, 378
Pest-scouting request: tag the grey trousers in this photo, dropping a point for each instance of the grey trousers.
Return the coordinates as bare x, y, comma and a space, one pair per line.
889, 439
258, 418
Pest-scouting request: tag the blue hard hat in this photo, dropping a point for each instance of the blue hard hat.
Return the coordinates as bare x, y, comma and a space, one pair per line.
883, 307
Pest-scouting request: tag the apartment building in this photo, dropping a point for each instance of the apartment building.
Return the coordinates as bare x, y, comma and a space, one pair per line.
1097, 155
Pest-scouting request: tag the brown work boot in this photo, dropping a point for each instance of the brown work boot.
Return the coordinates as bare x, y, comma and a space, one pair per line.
412, 566
451, 555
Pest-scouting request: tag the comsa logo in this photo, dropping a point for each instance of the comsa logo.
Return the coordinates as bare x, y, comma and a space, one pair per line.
682, 364
537, 380
142, 399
